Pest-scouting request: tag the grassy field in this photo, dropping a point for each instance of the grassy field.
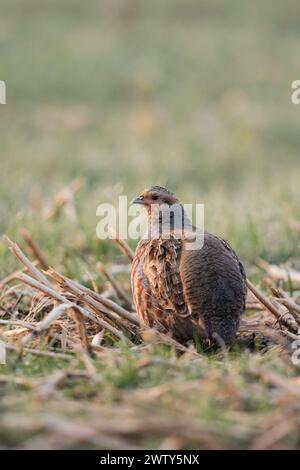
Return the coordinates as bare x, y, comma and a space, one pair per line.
122, 94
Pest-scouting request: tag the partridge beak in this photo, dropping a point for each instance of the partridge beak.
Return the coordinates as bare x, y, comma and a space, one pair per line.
138, 200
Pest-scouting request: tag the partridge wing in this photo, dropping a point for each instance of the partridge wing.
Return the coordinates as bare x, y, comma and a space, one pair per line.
163, 273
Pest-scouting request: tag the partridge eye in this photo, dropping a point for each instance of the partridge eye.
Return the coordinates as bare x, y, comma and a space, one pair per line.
154, 198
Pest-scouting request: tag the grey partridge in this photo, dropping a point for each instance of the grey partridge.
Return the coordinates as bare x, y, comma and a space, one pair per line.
188, 293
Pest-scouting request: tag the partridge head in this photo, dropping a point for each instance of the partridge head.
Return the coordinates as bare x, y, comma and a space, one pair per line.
155, 195
166, 214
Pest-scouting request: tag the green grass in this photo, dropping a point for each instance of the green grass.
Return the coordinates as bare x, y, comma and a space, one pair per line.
222, 395
192, 95
123, 93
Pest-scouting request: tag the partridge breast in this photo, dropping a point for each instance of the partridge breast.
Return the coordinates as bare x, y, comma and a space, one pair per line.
189, 293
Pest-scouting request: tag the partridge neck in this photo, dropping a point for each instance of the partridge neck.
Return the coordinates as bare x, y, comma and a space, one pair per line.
167, 222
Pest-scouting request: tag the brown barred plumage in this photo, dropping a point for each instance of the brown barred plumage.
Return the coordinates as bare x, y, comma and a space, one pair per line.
199, 293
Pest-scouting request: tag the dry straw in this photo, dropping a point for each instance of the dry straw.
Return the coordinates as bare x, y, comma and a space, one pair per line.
75, 316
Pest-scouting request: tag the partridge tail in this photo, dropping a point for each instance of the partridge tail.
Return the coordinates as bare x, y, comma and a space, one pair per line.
221, 331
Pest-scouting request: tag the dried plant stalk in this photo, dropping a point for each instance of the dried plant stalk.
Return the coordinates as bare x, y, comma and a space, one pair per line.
50, 292
12, 277
82, 330
21, 323
124, 247
24, 260
77, 289
34, 249
38, 352
271, 307
280, 274
119, 291
109, 304
292, 307
44, 325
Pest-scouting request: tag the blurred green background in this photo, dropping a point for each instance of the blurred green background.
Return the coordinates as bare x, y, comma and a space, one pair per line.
195, 95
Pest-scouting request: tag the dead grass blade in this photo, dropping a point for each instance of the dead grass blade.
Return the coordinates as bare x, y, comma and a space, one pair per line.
277, 312
280, 274
34, 249
44, 325
50, 292
29, 265
78, 318
124, 247
65, 199
38, 352
11, 277
119, 291
109, 304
